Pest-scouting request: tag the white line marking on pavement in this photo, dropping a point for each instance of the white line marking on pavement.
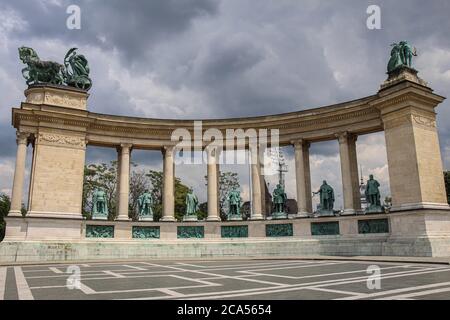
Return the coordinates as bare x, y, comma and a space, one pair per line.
191, 265
416, 294
86, 290
394, 291
133, 267
3, 271
171, 293
229, 277
55, 270
23, 290
326, 283
259, 274
350, 293
116, 275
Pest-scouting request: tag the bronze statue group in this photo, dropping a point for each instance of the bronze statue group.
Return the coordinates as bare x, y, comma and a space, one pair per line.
325, 208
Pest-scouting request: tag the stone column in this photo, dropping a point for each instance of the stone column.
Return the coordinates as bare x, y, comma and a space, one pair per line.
19, 175
303, 178
261, 153
168, 185
345, 140
354, 171
119, 165
256, 184
218, 186
124, 185
212, 159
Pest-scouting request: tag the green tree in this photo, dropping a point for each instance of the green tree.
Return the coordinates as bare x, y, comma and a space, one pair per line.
5, 205
156, 182
100, 176
139, 182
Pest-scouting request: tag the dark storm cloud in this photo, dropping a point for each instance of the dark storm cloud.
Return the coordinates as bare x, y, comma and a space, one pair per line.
132, 27
240, 57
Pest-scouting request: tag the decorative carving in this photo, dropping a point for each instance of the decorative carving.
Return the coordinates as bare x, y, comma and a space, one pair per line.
324, 228
62, 100
58, 139
184, 232
22, 137
424, 121
373, 226
95, 231
143, 232
234, 231
279, 230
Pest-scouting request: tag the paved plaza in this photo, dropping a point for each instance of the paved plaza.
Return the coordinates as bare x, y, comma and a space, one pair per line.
225, 279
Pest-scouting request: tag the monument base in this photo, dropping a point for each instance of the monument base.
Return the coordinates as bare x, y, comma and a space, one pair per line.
146, 218
190, 218
279, 215
419, 233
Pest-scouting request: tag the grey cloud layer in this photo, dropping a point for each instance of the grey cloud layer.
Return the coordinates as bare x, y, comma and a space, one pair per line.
212, 58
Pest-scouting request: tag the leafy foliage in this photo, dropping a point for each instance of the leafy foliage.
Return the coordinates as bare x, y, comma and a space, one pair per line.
5, 205
105, 176
227, 182
181, 190
100, 176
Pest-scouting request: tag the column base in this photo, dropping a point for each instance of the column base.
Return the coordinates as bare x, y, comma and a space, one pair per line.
15, 213
420, 205
190, 218
99, 217
168, 219
303, 214
348, 212
257, 217
213, 219
146, 218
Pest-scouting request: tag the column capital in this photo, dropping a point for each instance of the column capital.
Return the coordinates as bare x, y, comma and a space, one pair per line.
126, 146
22, 137
297, 143
168, 150
345, 136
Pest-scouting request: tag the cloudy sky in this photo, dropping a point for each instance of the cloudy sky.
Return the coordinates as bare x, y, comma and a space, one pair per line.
227, 58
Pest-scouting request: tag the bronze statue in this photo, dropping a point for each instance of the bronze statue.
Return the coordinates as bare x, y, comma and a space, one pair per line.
191, 203
74, 72
373, 195
99, 204
401, 55
145, 203
279, 198
326, 198
234, 201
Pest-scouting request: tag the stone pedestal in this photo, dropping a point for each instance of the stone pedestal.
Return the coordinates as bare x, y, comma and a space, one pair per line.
190, 217
412, 144
56, 185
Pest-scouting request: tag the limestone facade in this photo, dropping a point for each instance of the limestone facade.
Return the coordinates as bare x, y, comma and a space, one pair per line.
56, 122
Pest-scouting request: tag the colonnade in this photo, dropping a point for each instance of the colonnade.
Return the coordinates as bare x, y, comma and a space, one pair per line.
349, 172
